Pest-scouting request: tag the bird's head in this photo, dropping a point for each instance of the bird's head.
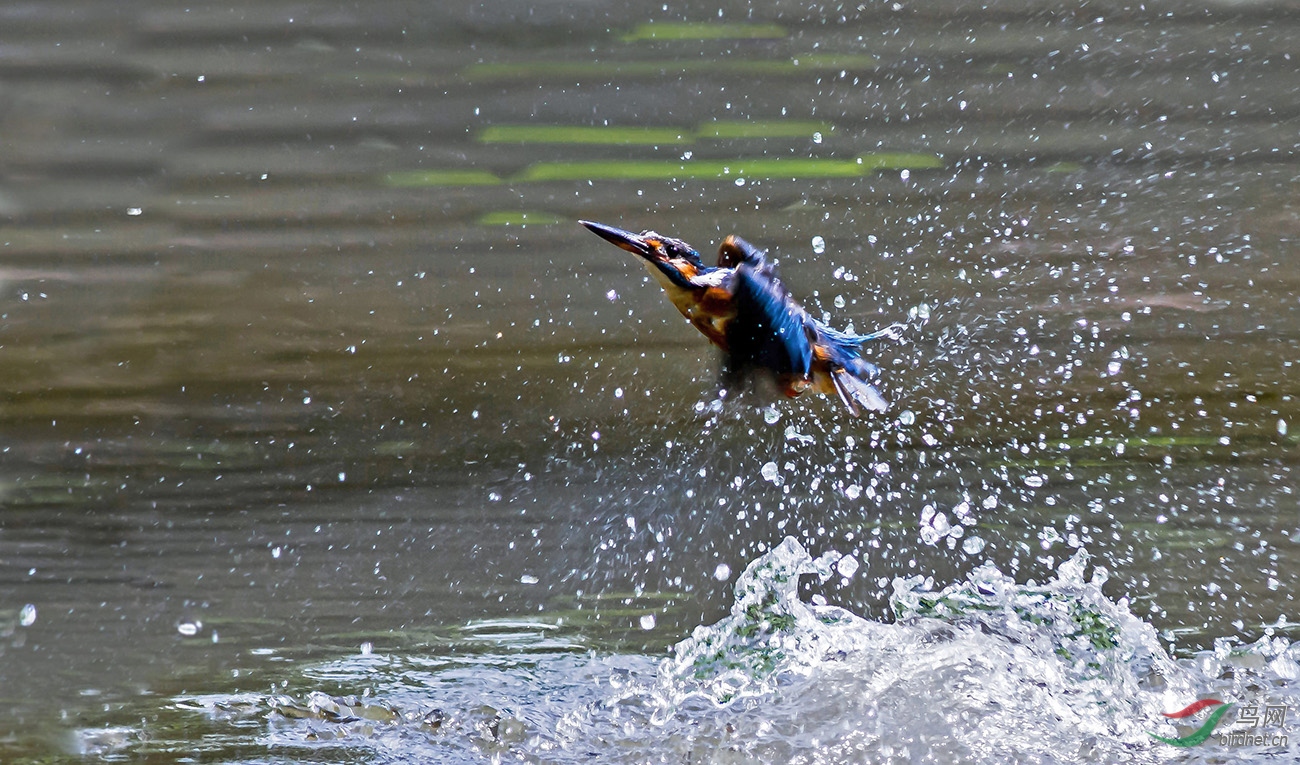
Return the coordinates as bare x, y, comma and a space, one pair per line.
675, 259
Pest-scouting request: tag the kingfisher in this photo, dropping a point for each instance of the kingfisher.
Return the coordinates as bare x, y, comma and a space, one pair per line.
742, 307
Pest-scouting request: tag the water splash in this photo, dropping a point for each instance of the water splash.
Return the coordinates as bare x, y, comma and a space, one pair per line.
769, 635
984, 670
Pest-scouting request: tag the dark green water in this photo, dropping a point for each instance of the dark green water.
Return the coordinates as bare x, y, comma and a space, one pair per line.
301, 348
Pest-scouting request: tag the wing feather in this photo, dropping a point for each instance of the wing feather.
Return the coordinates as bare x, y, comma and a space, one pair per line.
769, 328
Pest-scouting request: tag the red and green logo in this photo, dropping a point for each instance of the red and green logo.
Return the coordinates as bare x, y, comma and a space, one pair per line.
1202, 733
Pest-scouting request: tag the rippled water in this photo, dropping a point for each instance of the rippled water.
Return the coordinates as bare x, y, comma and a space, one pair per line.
311, 387
986, 670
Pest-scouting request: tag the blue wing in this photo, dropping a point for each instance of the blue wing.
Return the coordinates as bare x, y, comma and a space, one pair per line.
768, 330
771, 332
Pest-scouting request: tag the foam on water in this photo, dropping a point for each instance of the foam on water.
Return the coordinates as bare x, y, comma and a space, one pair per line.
982, 670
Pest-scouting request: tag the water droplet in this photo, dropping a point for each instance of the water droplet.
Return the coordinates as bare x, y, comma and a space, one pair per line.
972, 546
133, 211
771, 472
27, 616
771, 415
189, 629
648, 622
818, 245
847, 566
611, 296
367, 648
275, 552
817, 137
1281, 427
723, 572
528, 579
799, 439
1034, 481
907, 417
941, 524
839, 301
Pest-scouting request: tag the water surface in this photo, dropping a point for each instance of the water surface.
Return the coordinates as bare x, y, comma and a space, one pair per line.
301, 350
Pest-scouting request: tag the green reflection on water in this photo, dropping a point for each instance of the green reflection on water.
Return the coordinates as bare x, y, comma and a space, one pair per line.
673, 170
899, 161
517, 218
704, 31
792, 168
726, 129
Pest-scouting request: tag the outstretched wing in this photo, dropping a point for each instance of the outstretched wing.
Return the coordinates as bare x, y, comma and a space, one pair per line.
768, 328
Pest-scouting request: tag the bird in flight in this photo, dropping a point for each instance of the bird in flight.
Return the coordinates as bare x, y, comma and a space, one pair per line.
743, 308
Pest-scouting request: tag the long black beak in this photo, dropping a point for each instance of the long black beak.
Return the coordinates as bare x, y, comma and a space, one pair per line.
633, 243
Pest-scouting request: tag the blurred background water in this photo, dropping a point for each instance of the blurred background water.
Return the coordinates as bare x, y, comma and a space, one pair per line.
302, 351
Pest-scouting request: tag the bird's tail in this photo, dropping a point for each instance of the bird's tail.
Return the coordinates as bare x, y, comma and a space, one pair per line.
850, 340
856, 393
845, 372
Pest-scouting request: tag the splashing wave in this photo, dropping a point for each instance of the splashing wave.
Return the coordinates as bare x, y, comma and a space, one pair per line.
984, 670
